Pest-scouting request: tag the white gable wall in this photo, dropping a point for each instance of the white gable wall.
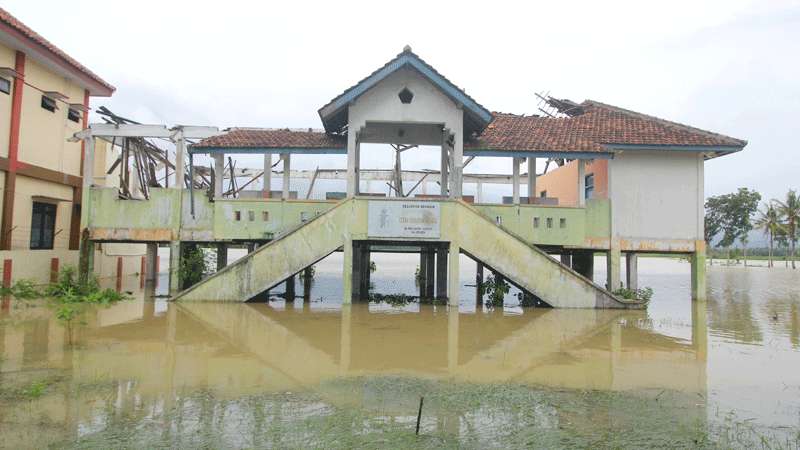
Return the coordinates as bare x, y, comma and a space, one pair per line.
429, 105
656, 195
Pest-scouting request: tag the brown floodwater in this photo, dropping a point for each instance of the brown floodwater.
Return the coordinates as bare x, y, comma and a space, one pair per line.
147, 373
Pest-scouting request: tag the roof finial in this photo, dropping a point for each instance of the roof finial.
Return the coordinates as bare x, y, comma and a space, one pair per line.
407, 49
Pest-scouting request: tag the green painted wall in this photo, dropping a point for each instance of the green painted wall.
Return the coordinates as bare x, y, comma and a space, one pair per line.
265, 219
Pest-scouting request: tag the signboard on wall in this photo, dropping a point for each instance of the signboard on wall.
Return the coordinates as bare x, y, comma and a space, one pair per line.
390, 219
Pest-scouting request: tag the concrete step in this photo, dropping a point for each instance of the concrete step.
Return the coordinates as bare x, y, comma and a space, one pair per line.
529, 267
276, 261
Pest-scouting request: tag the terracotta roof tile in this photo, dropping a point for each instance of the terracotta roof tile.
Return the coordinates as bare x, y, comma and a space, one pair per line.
36, 38
600, 124
273, 138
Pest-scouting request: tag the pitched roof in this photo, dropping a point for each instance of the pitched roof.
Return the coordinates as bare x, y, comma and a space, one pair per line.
599, 128
334, 114
266, 138
12, 25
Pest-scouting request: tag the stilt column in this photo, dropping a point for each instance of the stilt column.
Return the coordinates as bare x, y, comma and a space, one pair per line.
174, 267
699, 271
441, 273
632, 271
612, 266
151, 263
453, 284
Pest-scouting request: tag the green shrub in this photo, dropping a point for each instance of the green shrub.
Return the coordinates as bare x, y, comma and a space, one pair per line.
496, 288
643, 294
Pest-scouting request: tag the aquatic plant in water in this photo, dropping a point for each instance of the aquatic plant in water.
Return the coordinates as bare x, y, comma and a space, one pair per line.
643, 294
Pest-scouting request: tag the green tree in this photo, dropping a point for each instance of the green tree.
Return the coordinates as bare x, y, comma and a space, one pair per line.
769, 220
789, 211
731, 214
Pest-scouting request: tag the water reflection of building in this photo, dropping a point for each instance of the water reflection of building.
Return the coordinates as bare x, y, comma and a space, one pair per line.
146, 358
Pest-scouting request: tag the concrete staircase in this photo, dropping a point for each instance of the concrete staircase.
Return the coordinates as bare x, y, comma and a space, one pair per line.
276, 261
476, 235
529, 267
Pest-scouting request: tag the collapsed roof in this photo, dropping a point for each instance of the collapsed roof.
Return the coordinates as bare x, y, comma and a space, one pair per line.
586, 129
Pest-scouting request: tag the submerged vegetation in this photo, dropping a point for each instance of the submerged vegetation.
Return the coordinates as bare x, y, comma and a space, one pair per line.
642, 294
337, 414
496, 288
66, 296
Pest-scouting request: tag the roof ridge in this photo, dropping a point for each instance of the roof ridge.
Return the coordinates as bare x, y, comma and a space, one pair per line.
10, 20
589, 103
293, 130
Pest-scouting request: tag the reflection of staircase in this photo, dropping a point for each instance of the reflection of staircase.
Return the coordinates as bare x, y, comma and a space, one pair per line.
477, 235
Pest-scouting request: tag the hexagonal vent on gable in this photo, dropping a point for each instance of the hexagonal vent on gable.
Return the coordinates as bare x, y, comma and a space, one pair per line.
406, 96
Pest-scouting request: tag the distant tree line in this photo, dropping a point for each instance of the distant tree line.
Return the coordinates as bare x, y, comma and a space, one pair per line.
731, 218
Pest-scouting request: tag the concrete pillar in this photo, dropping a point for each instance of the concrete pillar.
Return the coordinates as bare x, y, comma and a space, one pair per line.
479, 285
445, 158
358, 168
347, 271
423, 273
566, 258
180, 155
613, 257
86, 257
456, 183
174, 267
307, 285
430, 287
222, 256
289, 292
287, 168
219, 174
453, 284
365, 273
583, 263
632, 270
267, 175
699, 271
581, 182
351, 163
358, 271
441, 273
531, 179
515, 179
151, 263
479, 196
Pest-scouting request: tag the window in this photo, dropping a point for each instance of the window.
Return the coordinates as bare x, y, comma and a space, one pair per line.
543, 194
5, 85
303, 216
406, 96
549, 222
43, 222
48, 103
498, 220
251, 216
562, 223
237, 216
589, 186
74, 115
265, 216
536, 222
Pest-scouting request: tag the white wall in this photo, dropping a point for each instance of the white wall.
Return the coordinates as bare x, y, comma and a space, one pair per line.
656, 195
428, 106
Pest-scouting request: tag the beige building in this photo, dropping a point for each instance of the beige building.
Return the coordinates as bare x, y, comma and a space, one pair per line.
44, 100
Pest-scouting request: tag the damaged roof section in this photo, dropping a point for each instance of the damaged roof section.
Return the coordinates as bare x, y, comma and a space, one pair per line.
591, 128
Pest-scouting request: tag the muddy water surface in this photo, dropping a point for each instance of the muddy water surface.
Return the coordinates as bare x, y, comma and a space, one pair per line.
146, 373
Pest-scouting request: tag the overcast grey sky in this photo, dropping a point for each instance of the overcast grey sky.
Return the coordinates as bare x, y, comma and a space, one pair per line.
730, 66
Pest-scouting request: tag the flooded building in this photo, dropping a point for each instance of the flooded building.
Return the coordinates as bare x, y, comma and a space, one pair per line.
624, 184
44, 100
